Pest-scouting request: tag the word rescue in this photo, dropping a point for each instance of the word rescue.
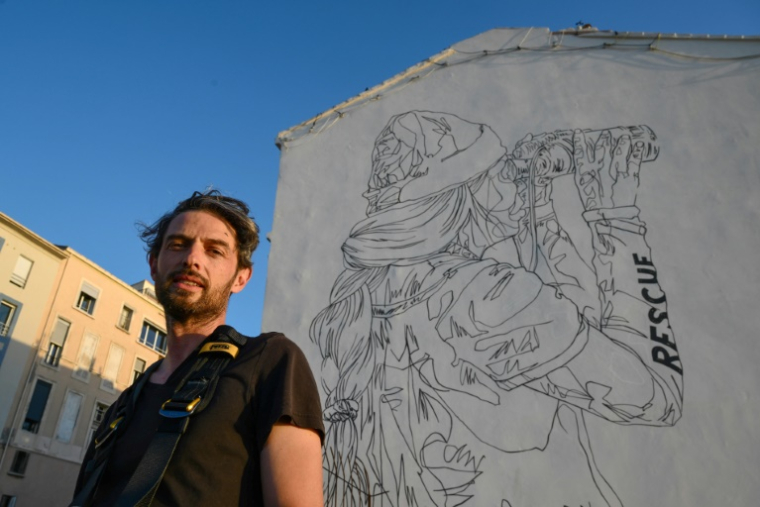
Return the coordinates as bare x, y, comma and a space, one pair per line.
666, 353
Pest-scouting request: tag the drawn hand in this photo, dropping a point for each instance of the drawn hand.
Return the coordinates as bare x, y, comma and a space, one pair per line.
607, 174
341, 410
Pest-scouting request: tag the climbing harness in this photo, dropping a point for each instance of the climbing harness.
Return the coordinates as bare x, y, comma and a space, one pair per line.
192, 395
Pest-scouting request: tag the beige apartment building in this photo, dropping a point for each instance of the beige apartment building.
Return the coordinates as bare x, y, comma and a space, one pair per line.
95, 334
30, 270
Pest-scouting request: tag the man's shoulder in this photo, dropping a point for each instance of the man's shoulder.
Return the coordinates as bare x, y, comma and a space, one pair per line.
272, 344
272, 362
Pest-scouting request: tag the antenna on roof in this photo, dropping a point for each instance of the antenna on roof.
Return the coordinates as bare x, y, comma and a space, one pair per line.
580, 25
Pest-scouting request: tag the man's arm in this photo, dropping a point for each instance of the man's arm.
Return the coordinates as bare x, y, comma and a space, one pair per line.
291, 467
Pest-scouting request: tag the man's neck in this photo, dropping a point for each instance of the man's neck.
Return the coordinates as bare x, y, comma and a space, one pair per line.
182, 339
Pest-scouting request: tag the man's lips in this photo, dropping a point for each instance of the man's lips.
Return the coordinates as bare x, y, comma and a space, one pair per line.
188, 281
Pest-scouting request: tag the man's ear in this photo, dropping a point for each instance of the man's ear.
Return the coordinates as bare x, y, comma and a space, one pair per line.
241, 279
152, 262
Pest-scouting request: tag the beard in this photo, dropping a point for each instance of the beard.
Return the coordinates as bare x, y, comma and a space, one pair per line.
179, 306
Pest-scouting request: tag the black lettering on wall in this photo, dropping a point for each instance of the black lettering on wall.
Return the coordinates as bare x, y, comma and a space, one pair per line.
657, 319
641, 261
647, 271
662, 356
662, 338
649, 299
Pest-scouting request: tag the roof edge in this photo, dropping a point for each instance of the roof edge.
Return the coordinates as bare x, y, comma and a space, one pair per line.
34, 237
103, 271
369, 94
595, 33
513, 39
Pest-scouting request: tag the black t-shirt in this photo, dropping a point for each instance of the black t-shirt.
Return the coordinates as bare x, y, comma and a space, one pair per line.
217, 459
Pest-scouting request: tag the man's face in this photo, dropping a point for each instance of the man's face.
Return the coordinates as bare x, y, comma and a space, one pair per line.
196, 269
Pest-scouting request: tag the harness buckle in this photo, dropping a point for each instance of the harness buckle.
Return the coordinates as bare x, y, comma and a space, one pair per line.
111, 430
174, 409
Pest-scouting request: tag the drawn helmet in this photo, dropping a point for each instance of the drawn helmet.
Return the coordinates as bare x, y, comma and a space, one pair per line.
418, 144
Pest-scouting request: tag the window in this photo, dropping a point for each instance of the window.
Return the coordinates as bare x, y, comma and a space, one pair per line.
18, 465
111, 370
7, 501
69, 416
139, 369
86, 357
57, 341
6, 317
21, 272
37, 406
153, 337
86, 303
88, 296
125, 318
98, 414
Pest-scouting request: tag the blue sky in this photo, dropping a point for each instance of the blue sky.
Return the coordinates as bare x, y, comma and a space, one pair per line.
111, 111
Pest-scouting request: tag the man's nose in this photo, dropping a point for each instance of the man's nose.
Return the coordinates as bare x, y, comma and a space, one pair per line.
193, 255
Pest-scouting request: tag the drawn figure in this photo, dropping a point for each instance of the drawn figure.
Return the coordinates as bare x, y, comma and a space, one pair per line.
467, 340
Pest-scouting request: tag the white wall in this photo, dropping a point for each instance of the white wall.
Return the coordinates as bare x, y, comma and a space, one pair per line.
700, 201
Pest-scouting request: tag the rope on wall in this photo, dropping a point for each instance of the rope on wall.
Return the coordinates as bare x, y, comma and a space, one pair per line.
451, 57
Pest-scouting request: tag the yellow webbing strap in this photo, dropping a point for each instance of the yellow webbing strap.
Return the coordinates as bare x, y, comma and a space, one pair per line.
226, 348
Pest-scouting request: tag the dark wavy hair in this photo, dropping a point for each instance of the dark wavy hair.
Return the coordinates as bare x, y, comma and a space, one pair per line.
231, 210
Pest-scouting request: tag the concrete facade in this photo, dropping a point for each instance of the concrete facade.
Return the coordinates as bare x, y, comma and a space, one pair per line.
86, 349
475, 257
25, 298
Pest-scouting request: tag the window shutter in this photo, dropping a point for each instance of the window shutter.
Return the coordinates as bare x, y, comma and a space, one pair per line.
69, 417
113, 363
39, 400
21, 271
90, 290
60, 332
85, 357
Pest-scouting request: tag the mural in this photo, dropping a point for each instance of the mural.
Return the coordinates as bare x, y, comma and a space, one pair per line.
473, 333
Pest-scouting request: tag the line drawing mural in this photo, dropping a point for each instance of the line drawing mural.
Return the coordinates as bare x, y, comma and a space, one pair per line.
468, 340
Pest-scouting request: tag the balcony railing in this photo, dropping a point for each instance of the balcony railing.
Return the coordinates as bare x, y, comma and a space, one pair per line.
5, 329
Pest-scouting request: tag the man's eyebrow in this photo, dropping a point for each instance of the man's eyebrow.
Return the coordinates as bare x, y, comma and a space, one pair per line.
218, 242
176, 236
212, 241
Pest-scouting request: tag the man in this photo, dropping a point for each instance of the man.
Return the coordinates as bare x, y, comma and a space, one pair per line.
256, 440
467, 339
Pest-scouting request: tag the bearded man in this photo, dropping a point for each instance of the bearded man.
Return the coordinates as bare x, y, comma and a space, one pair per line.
222, 419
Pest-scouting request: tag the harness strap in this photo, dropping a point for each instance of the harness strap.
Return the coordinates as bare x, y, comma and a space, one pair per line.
105, 437
192, 395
